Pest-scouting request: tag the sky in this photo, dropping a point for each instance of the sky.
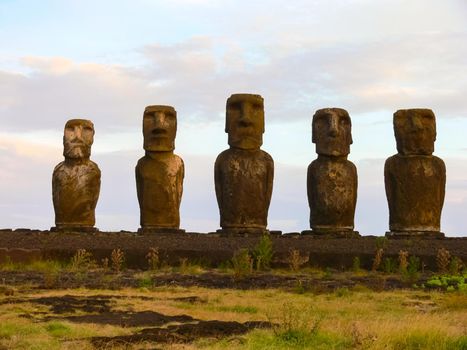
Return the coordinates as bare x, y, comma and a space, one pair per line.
106, 60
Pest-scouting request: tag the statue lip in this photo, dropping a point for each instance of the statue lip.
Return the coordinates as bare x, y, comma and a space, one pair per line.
76, 143
159, 132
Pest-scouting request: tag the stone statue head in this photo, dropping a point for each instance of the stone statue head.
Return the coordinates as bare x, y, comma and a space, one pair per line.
159, 128
78, 137
415, 131
245, 121
332, 132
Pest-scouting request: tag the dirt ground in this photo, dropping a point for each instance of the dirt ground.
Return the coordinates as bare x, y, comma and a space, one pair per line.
209, 279
158, 328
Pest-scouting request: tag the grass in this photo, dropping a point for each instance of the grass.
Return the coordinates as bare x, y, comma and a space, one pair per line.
345, 319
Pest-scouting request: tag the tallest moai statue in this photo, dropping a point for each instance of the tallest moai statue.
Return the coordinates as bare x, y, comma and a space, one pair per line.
244, 173
415, 179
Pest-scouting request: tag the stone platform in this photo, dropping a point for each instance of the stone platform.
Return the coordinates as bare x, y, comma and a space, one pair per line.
24, 245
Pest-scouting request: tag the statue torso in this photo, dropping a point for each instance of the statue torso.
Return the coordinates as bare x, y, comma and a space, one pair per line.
332, 194
159, 181
75, 190
243, 187
415, 188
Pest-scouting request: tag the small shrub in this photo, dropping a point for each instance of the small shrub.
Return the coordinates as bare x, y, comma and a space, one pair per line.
145, 282
455, 266
262, 253
82, 260
153, 259
389, 265
403, 263
412, 274
342, 292
105, 263
50, 279
381, 242
117, 258
296, 260
356, 264
443, 258
327, 272
184, 265
242, 263
299, 287
377, 259
294, 325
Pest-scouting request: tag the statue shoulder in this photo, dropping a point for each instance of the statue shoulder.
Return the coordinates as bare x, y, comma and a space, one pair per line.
439, 164
391, 161
94, 165
223, 155
59, 167
266, 156
178, 160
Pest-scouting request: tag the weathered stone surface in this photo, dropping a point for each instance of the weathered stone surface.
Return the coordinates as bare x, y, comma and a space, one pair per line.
160, 173
76, 180
332, 179
415, 179
244, 173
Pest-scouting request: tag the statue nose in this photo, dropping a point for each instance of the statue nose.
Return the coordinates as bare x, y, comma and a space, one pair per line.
78, 131
417, 123
245, 115
333, 127
159, 119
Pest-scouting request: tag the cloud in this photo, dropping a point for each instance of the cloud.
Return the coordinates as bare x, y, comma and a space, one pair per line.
197, 75
58, 89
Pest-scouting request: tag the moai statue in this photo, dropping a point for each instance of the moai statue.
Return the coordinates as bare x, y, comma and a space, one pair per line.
76, 181
243, 174
332, 179
415, 179
160, 173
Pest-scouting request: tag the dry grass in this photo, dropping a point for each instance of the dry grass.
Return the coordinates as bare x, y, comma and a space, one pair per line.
347, 319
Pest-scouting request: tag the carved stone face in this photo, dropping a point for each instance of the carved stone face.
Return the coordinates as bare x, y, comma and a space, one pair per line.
159, 128
245, 121
331, 132
78, 137
415, 131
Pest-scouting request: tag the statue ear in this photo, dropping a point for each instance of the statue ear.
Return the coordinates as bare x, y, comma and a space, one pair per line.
313, 130
227, 122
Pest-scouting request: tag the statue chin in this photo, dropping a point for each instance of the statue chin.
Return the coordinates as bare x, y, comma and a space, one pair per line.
162, 145
247, 143
77, 152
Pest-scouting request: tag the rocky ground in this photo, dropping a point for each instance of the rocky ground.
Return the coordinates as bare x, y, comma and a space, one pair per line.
213, 249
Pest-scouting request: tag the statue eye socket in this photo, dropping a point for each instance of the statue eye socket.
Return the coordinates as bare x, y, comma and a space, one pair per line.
235, 106
258, 106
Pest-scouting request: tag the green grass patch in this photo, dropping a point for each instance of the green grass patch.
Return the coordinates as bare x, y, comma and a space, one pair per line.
296, 339
58, 329
238, 309
428, 341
